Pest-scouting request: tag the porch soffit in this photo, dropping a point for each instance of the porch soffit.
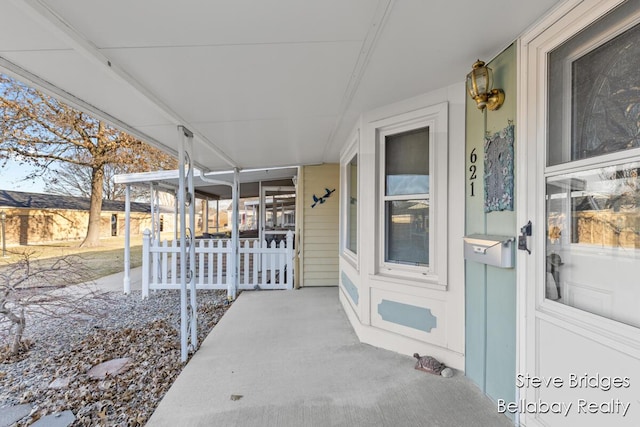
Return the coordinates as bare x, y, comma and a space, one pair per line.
261, 84
249, 179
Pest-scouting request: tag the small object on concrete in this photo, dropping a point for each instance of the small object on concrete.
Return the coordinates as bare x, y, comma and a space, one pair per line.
60, 419
60, 383
10, 415
236, 396
111, 367
429, 364
447, 372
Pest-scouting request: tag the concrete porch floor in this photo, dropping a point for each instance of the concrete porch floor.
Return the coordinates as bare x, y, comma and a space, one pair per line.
296, 361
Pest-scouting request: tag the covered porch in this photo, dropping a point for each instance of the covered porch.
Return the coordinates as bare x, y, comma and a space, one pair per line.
292, 358
335, 88
258, 245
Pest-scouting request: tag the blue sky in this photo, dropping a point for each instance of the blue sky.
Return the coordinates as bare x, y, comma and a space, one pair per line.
12, 177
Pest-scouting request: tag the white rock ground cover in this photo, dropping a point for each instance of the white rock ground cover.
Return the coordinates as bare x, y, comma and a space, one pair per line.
53, 375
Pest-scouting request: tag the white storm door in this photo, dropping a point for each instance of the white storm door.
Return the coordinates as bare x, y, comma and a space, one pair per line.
581, 334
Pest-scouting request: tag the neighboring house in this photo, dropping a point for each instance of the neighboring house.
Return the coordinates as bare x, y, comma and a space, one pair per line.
33, 218
433, 197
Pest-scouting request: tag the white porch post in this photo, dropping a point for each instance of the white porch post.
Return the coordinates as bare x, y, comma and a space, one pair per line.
289, 261
155, 211
262, 224
206, 215
188, 319
218, 216
232, 287
152, 202
127, 239
146, 262
175, 216
254, 216
192, 247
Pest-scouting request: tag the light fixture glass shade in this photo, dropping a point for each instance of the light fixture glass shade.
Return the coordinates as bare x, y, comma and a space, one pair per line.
480, 87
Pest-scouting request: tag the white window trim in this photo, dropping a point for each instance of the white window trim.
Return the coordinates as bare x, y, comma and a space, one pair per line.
436, 119
345, 184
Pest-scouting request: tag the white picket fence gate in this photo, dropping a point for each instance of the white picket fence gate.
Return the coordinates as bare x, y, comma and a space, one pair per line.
267, 267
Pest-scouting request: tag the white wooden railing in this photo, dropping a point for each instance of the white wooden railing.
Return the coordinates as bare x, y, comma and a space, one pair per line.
269, 267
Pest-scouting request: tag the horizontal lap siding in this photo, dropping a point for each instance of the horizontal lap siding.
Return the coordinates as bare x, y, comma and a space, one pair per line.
316, 254
320, 226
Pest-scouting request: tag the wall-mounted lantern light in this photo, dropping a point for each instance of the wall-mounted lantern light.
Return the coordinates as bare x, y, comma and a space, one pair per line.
480, 87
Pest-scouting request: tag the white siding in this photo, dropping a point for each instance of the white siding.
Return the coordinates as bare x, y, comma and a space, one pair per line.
369, 291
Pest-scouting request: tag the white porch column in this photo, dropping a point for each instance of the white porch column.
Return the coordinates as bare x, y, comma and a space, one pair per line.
146, 262
232, 287
218, 216
127, 240
186, 199
155, 212
254, 217
152, 203
206, 216
175, 216
192, 247
262, 217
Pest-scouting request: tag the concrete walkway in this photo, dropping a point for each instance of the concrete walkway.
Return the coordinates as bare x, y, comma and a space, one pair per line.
114, 282
291, 358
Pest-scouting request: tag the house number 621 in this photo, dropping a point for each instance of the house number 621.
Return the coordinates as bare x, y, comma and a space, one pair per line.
473, 157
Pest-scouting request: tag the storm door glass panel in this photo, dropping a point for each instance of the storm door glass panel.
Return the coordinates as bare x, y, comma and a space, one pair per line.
594, 94
352, 197
593, 241
407, 197
593, 208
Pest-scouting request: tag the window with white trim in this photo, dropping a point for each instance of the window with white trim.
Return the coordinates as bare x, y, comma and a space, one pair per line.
412, 193
406, 197
349, 173
351, 234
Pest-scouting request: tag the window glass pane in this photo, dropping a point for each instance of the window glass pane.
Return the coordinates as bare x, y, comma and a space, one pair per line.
593, 241
594, 96
407, 225
407, 163
352, 197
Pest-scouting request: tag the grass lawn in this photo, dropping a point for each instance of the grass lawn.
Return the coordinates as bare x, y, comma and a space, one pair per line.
103, 260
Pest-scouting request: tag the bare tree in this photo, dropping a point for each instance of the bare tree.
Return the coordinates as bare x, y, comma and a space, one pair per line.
69, 179
32, 287
40, 131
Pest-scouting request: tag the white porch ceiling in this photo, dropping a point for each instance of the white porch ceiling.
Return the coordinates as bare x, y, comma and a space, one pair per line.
216, 185
260, 83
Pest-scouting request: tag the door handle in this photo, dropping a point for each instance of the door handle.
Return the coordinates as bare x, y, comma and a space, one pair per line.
522, 239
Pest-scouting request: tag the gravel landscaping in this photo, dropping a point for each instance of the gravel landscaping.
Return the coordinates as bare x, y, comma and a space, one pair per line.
53, 377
